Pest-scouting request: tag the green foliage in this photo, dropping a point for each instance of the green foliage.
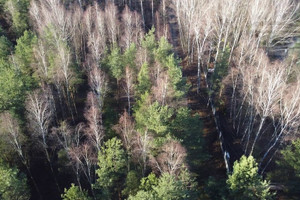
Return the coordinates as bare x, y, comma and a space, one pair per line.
163, 50
13, 184
24, 50
148, 182
12, 88
16, 76
216, 188
287, 170
1, 29
74, 193
168, 187
111, 166
153, 117
24, 56
189, 130
178, 83
142, 195
114, 62
129, 56
144, 83
149, 43
291, 157
5, 47
18, 10
132, 183
246, 183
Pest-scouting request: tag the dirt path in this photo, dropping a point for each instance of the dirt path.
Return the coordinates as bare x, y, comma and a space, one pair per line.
198, 103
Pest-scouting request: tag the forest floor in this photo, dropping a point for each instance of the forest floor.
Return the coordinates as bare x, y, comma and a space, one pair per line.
198, 103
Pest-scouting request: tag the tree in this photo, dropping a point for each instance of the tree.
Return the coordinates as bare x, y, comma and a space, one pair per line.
163, 50
171, 159
111, 17
287, 170
177, 82
24, 56
246, 183
18, 10
131, 184
153, 118
149, 44
167, 187
12, 88
75, 193
5, 47
112, 164
11, 133
188, 129
143, 78
115, 63
128, 86
40, 116
98, 84
129, 56
12, 184
94, 23
84, 158
132, 27
94, 130
125, 128
291, 157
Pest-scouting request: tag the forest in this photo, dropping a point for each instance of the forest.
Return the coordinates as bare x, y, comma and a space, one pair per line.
149, 100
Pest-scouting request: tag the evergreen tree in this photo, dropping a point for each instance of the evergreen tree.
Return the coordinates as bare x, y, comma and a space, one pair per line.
167, 187
246, 183
288, 168
111, 167
131, 184
144, 83
12, 89
177, 82
74, 193
163, 50
18, 10
5, 47
13, 184
114, 62
149, 43
153, 117
24, 56
291, 157
129, 56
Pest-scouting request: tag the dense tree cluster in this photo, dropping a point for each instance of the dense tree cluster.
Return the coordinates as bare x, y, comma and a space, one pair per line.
94, 104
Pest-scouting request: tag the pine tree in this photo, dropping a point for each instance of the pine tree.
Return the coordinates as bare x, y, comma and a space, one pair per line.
112, 165
13, 184
74, 193
144, 83
246, 183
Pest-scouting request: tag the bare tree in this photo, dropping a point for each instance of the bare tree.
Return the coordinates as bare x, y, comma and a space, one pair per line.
125, 128
98, 84
86, 158
94, 129
39, 117
94, 19
171, 159
112, 22
128, 86
161, 88
12, 134
142, 149
288, 122
132, 27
